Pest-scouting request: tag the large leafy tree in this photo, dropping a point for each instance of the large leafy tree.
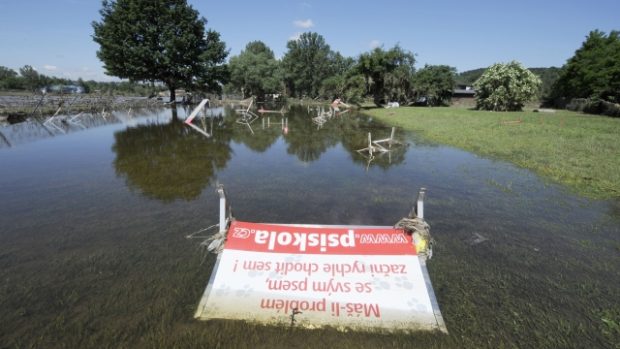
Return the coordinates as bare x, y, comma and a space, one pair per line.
594, 70
163, 40
388, 73
506, 87
30, 77
306, 64
436, 82
215, 72
345, 82
255, 70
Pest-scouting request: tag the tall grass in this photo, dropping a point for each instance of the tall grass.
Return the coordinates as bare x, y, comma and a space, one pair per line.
578, 150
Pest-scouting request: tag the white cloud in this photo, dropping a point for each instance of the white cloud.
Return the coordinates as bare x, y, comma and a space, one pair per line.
374, 44
49, 67
305, 24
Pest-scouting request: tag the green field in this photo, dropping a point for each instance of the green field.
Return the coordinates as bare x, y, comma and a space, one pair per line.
578, 150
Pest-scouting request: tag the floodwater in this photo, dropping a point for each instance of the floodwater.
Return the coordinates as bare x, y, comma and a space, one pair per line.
94, 213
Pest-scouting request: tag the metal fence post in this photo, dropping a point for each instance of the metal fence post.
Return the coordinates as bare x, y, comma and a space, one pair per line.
420, 202
220, 191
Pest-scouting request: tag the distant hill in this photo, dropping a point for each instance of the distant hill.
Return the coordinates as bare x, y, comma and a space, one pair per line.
469, 77
547, 75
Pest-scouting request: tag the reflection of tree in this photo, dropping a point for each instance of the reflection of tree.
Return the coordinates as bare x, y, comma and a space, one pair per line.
169, 161
308, 142
261, 139
305, 141
256, 138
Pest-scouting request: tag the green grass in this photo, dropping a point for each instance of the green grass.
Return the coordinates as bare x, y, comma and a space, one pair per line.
578, 150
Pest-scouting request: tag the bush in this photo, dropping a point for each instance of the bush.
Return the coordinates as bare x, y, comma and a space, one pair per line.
506, 87
594, 106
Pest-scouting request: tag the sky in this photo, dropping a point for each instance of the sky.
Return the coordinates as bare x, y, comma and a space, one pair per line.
55, 36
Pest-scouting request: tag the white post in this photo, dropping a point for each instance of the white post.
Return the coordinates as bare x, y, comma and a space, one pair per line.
420, 203
196, 111
220, 191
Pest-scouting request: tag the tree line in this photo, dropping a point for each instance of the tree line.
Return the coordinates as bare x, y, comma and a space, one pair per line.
29, 79
165, 42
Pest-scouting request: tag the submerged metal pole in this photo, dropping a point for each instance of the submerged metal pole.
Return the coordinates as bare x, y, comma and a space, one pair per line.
420, 202
220, 191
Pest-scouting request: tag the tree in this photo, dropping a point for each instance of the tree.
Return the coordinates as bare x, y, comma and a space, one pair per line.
30, 77
9, 79
215, 73
6, 73
388, 73
306, 64
345, 82
255, 70
436, 82
164, 40
594, 70
506, 87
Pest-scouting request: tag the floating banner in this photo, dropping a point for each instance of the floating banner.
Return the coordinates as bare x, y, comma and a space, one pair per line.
357, 277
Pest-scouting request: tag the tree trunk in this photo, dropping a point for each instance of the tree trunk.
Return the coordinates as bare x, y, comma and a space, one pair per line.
173, 96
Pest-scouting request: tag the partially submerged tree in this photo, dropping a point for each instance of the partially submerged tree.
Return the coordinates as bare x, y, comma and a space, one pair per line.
215, 72
436, 82
306, 64
345, 83
255, 70
388, 73
506, 87
163, 40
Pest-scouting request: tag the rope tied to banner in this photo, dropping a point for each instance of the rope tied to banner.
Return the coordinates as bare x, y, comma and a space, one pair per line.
215, 243
420, 232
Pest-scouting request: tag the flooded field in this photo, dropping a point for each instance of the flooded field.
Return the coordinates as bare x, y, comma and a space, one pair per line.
94, 213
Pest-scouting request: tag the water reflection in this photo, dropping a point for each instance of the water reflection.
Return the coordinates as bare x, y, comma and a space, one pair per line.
170, 161
518, 261
257, 135
303, 139
167, 160
42, 127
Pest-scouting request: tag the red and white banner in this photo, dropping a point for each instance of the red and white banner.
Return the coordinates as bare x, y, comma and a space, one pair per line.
344, 276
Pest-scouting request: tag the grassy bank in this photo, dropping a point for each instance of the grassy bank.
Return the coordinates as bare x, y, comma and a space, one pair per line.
578, 150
